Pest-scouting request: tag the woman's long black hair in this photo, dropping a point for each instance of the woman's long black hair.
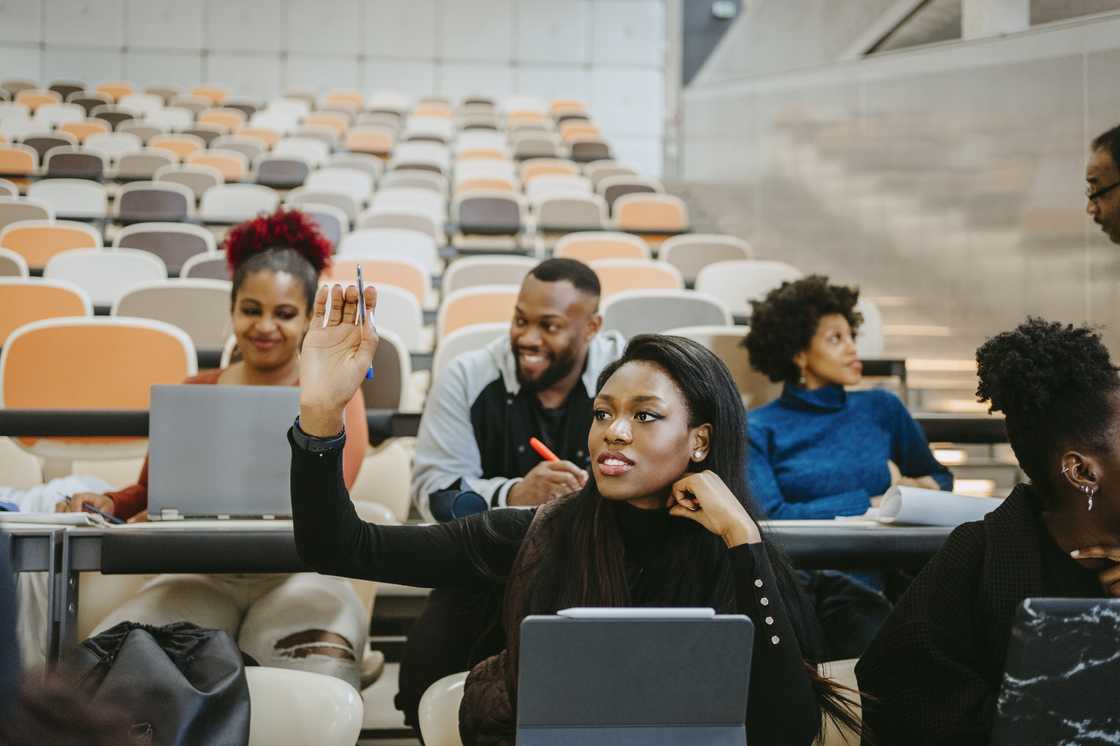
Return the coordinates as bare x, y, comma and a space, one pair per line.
585, 563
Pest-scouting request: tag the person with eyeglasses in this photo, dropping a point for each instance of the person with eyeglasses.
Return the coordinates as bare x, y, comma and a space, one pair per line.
1103, 176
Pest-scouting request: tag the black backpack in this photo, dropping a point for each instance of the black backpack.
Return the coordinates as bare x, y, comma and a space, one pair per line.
180, 684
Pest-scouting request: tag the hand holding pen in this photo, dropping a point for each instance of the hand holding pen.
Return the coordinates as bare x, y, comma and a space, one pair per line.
548, 480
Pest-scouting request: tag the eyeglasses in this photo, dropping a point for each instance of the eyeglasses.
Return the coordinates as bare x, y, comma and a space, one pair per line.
1095, 196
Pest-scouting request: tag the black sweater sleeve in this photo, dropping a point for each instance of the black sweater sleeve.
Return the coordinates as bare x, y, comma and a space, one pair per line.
330, 537
782, 706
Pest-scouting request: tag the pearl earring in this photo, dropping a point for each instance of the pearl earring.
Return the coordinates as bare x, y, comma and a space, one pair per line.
697, 455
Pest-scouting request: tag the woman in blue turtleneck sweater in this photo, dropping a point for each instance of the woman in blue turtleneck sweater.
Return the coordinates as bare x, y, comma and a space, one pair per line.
819, 451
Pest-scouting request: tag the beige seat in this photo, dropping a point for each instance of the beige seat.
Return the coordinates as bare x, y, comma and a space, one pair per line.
12, 264
14, 209
727, 343
693, 252
198, 307
174, 243
843, 672
293, 708
145, 164
472, 271
198, 176
635, 312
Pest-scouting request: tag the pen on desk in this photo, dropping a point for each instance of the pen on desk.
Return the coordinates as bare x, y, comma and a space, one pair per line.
362, 312
542, 450
86, 507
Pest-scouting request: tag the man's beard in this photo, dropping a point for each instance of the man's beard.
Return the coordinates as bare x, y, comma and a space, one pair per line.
560, 366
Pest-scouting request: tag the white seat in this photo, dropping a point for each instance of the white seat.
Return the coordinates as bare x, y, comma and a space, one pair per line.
485, 168
869, 339
171, 117
438, 711
557, 213
145, 103
313, 151
370, 164
72, 198
293, 708
425, 154
737, 283
115, 144
465, 339
301, 196
556, 184
352, 182
429, 180
404, 219
399, 312
105, 275
475, 140
275, 119
289, 107
17, 125
471, 271
634, 312
391, 243
233, 203
49, 116
412, 199
428, 128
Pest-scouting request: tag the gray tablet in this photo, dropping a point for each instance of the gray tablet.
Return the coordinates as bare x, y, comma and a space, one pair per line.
634, 676
217, 451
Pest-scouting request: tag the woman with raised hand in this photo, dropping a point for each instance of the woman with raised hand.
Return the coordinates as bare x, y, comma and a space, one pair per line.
298, 621
664, 520
935, 669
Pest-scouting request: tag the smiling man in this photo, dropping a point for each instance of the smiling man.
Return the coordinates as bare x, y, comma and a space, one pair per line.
473, 449
1103, 176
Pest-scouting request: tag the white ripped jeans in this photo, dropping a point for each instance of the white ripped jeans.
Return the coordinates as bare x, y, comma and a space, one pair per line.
258, 611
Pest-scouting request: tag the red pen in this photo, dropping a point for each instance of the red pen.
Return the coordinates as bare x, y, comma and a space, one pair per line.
543, 450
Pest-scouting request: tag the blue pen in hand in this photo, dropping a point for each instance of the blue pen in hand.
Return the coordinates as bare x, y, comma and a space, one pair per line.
362, 312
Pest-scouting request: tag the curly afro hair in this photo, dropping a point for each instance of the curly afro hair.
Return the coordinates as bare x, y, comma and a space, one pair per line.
784, 322
1052, 381
285, 241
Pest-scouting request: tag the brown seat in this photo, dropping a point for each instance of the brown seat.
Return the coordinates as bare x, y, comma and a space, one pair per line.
208, 133
88, 100
586, 151
67, 88
75, 164
487, 213
167, 93
113, 115
42, 143
206, 267
174, 243
282, 173
146, 201
620, 188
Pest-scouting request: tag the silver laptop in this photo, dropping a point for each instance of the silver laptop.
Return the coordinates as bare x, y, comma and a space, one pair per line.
220, 451
634, 676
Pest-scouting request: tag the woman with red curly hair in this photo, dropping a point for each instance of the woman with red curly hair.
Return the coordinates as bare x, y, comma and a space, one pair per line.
304, 621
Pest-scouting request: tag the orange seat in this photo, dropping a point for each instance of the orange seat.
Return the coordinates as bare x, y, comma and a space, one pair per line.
266, 135
483, 154
651, 213
572, 131
618, 275
33, 98
432, 109
120, 360
215, 94
410, 276
482, 304
333, 119
500, 185
85, 128
567, 106
230, 119
180, 145
37, 241
23, 301
17, 160
521, 118
369, 141
115, 91
535, 167
231, 167
593, 246
344, 100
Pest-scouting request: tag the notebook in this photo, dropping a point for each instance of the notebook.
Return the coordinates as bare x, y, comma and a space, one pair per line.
1062, 675
220, 451
634, 676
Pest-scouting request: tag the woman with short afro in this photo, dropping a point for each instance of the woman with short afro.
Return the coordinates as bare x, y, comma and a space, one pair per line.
819, 450
933, 673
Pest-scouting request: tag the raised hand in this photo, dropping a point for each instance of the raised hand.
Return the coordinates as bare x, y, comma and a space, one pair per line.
336, 354
704, 498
